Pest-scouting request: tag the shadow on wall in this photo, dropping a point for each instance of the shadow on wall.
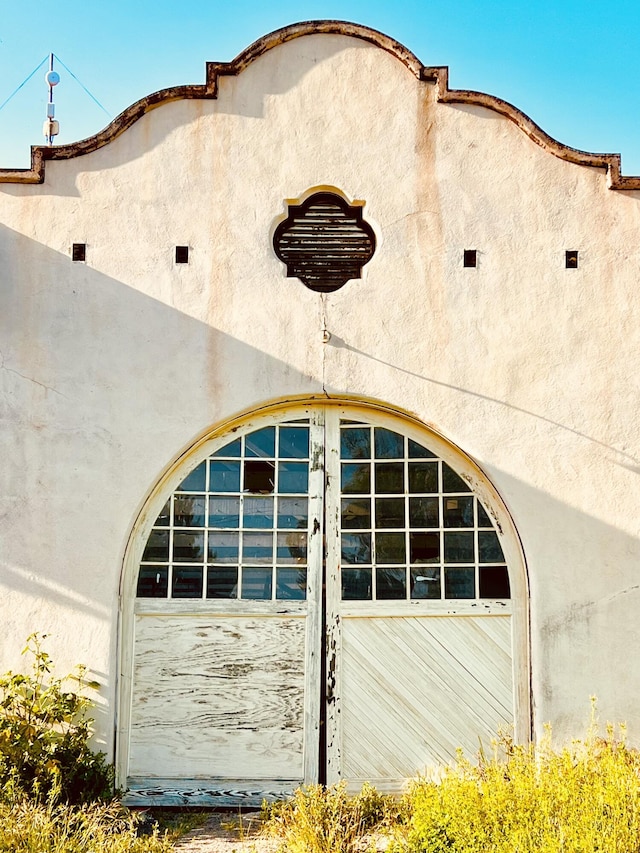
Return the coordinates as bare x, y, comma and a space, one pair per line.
101, 387
286, 74
584, 599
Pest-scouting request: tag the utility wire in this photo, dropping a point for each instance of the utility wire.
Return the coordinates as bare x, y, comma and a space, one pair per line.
93, 98
4, 103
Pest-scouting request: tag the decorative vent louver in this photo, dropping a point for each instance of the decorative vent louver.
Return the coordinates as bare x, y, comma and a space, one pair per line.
324, 242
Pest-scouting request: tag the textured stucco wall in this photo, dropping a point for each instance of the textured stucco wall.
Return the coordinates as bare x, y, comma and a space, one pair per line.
111, 369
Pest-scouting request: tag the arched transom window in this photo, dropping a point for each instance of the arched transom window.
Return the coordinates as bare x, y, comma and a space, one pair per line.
239, 523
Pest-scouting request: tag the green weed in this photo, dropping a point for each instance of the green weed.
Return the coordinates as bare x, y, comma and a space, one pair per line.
44, 734
29, 827
327, 820
582, 799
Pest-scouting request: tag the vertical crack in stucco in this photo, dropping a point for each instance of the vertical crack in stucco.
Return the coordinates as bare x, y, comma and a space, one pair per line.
324, 336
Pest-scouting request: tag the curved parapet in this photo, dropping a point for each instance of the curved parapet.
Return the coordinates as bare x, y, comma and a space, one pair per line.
214, 70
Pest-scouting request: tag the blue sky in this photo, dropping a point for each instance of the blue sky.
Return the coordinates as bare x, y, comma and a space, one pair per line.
573, 67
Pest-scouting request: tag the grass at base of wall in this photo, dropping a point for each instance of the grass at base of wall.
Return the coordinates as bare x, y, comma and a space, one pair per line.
177, 822
30, 827
328, 820
525, 799
584, 798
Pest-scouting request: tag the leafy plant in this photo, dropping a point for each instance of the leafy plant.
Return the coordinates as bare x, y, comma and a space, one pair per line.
45, 732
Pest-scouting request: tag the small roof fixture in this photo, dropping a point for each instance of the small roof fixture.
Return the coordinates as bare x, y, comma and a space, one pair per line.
51, 127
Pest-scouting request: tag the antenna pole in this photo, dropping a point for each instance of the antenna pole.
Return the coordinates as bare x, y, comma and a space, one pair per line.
51, 127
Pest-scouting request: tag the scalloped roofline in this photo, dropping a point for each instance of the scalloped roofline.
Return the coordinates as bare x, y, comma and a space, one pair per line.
214, 70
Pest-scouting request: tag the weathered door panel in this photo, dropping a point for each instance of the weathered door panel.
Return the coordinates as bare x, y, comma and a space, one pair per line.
235, 689
413, 690
218, 712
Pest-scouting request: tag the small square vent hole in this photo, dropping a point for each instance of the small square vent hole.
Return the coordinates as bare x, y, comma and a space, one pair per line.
571, 259
182, 254
79, 252
470, 258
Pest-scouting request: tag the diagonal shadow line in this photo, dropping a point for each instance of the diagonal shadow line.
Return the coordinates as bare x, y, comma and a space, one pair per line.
340, 343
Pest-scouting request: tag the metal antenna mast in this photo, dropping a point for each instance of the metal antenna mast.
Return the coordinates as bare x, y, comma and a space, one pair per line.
51, 127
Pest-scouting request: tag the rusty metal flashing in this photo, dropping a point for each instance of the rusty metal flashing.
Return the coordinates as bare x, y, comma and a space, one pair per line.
214, 70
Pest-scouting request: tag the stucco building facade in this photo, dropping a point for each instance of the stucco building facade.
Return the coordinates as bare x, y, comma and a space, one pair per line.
319, 396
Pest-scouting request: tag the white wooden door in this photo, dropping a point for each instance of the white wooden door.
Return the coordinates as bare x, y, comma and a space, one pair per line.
240, 610
226, 670
418, 609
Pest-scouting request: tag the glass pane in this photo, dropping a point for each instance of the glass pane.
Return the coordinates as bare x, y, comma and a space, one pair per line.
157, 547
256, 584
355, 443
257, 512
494, 582
187, 582
452, 482
259, 477
356, 479
257, 548
291, 584
458, 547
188, 547
163, 519
293, 477
356, 584
224, 512
425, 583
222, 582
195, 481
292, 547
188, 511
459, 583
390, 548
458, 512
224, 477
294, 442
489, 547
231, 449
356, 513
423, 512
390, 477
356, 547
390, 512
483, 518
262, 442
153, 582
293, 513
389, 445
391, 584
417, 451
424, 547
223, 547
423, 477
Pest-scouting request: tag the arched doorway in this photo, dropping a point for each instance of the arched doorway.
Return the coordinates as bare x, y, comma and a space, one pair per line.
320, 592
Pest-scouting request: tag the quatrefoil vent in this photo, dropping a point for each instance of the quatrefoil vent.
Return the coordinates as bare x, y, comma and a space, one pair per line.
324, 242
